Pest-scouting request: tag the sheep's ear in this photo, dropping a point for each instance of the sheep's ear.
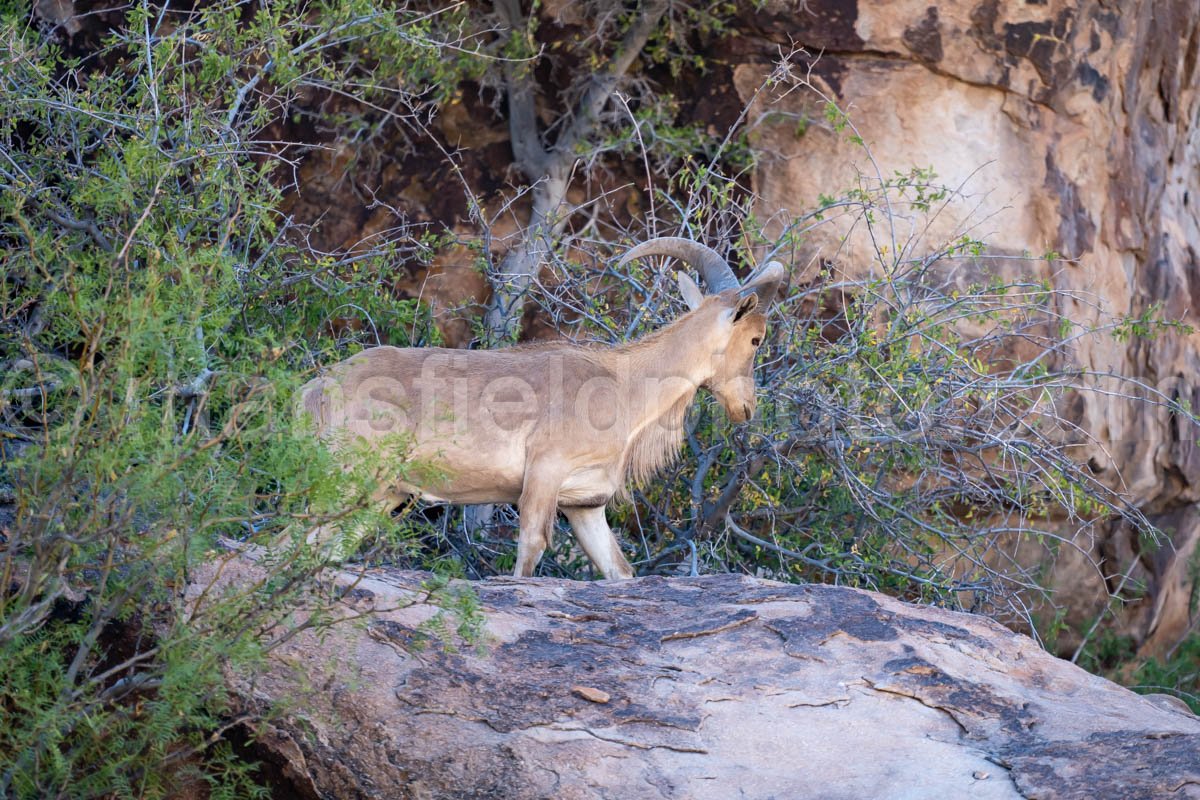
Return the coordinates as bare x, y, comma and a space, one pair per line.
689, 290
745, 306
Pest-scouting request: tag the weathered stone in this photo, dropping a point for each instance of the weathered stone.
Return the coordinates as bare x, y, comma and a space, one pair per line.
1071, 127
721, 686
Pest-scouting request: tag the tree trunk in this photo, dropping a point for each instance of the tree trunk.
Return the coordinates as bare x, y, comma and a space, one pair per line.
549, 168
521, 264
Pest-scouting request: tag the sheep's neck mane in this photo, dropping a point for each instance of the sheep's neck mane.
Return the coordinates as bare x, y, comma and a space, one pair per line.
677, 354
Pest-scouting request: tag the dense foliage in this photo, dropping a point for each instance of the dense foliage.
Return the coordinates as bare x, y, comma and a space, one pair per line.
159, 307
156, 315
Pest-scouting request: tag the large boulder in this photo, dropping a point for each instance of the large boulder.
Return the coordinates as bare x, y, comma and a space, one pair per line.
712, 687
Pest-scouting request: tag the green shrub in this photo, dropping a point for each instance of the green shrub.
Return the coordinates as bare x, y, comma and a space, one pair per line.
157, 312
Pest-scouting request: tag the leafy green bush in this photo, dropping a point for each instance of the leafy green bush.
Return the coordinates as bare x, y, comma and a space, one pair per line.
157, 312
1177, 674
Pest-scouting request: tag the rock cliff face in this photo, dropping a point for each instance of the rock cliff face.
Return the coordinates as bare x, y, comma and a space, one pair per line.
1069, 126
1072, 127
712, 687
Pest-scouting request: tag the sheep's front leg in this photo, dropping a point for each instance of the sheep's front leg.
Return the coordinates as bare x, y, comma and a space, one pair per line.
342, 541
537, 507
598, 541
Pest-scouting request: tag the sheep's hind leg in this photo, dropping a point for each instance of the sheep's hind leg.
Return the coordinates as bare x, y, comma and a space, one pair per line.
537, 507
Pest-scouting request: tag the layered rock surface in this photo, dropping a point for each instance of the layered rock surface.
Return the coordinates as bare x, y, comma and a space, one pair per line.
1067, 127
711, 687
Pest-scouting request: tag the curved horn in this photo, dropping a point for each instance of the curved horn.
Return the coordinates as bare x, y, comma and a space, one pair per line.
765, 282
717, 274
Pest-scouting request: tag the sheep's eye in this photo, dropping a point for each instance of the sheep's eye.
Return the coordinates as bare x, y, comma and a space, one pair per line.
756, 341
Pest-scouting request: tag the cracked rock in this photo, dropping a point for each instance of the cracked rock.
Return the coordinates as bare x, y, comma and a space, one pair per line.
765, 690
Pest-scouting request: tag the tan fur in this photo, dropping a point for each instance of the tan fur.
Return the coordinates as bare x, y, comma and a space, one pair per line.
551, 426
653, 449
